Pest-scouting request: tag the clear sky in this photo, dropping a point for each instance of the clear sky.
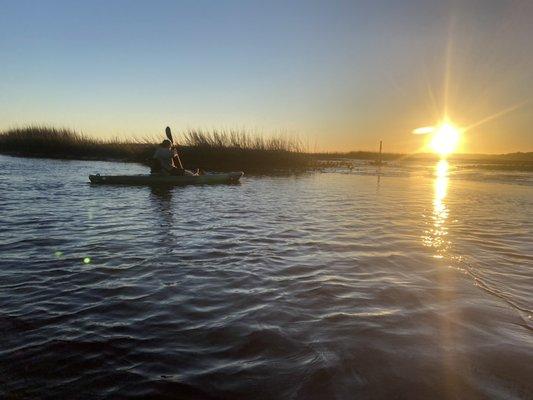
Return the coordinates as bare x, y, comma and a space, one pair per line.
340, 75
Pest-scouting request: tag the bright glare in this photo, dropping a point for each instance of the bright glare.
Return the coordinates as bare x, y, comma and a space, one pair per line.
441, 184
445, 139
423, 130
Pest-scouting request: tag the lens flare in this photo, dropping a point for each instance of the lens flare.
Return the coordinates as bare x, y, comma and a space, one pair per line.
424, 130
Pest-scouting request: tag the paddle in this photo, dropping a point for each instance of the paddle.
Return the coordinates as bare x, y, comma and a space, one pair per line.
169, 136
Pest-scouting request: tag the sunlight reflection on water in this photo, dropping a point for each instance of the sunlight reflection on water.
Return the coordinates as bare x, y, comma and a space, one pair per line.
436, 235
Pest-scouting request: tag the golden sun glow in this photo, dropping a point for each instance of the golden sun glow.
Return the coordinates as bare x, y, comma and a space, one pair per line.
445, 139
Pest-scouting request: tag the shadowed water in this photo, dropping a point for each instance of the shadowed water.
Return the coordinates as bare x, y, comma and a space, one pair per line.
408, 282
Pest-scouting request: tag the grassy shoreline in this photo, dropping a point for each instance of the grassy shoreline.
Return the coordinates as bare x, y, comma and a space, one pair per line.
219, 151
213, 151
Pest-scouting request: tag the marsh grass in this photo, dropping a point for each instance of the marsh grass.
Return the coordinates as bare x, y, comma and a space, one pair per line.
236, 150
216, 150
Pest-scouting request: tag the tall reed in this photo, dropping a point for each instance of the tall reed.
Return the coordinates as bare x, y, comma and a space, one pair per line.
221, 150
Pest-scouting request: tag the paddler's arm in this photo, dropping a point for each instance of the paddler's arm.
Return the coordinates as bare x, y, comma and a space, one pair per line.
176, 155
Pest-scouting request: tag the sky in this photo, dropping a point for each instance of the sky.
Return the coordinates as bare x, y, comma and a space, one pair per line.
336, 75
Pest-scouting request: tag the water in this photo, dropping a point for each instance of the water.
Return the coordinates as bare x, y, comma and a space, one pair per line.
412, 283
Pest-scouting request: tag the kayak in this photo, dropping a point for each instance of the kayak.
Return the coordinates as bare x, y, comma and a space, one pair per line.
157, 179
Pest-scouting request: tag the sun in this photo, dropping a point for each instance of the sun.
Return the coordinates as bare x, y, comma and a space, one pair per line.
445, 139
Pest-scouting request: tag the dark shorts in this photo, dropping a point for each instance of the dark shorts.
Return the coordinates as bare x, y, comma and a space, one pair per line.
176, 171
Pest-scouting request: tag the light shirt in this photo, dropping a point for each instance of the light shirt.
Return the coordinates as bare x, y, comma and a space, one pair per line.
165, 157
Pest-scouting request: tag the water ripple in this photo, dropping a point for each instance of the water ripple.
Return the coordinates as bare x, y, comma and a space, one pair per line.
335, 285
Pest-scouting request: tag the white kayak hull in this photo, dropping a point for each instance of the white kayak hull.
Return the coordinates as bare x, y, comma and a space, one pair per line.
155, 179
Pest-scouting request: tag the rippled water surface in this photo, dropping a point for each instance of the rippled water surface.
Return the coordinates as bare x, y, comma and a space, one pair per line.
414, 282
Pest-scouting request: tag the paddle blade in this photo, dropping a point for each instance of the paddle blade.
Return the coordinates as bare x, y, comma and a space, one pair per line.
169, 134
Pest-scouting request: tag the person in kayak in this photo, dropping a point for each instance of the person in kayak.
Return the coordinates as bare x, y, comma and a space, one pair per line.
166, 155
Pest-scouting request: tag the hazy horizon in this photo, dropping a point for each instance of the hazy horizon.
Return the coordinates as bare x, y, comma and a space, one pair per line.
339, 76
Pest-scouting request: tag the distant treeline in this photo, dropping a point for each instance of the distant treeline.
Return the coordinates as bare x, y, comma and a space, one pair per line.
357, 155
369, 155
